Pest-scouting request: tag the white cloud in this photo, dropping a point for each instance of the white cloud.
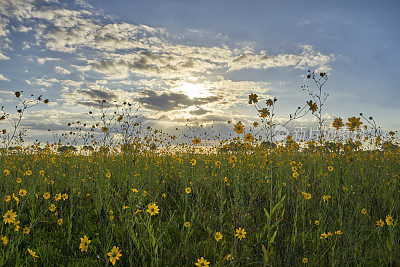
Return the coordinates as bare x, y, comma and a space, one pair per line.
2, 78
61, 70
308, 58
43, 60
71, 83
24, 29
46, 82
3, 57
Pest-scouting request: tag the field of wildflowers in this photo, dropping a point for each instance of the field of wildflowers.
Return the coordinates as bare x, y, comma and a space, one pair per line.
244, 202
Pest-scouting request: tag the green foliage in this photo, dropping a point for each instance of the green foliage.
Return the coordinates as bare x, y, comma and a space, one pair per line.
275, 195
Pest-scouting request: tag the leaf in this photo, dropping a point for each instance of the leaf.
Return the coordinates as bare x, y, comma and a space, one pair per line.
265, 253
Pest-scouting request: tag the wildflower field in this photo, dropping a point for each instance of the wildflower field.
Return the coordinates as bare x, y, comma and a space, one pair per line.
277, 206
151, 198
168, 133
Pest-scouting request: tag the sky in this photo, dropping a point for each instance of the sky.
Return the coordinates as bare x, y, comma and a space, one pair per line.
199, 60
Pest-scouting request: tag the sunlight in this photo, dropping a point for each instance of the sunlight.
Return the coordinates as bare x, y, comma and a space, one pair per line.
193, 90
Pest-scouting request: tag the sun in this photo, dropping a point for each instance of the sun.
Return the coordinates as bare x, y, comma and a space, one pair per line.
193, 90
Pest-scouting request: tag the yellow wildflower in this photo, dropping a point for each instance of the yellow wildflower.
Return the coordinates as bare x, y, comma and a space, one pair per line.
218, 236
389, 220
240, 233
114, 254
202, 262
152, 209
22, 192
84, 243
9, 217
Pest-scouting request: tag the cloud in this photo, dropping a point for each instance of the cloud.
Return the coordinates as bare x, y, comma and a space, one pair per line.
167, 101
46, 82
43, 60
2, 78
24, 29
61, 70
99, 94
138, 62
92, 93
72, 83
199, 111
4, 57
306, 59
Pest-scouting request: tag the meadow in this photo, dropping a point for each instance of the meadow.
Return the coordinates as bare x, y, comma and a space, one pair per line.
147, 201
278, 206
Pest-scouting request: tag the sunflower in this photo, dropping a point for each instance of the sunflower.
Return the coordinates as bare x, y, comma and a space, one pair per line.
52, 207
84, 243
152, 209
306, 195
202, 262
10, 216
188, 190
326, 198
114, 254
22, 192
4, 240
264, 112
312, 105
389, 220
196, 141
380, 223
253, 99
218, 236
240, 233
270, 102
354, 123
248, 138
239, 128
186, 224
57, 197
337, 123
33, 253
364, 211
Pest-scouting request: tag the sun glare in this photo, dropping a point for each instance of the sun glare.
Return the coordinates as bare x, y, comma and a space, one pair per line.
193, 90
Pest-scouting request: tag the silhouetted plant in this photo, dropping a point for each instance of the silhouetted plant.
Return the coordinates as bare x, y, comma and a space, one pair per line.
16, 135
318, 98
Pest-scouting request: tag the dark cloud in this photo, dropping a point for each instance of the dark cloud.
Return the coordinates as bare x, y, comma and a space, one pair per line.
240, 58
170, 101
139, 65
200, 111
99, 94
216, 118
96, 104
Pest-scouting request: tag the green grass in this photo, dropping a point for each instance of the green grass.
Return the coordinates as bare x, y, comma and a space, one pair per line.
259, 194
